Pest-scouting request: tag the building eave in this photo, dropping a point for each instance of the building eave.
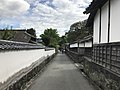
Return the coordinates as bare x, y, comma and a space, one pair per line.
86, 39
95, 5
90, 19
92, 9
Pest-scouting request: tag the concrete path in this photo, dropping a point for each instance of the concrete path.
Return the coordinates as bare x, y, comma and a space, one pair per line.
61, 74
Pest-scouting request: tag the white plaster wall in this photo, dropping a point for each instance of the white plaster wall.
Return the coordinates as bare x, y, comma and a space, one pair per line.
74, 45
81, 44
115, 21
96, 28
104, 23
88, 44
13, 61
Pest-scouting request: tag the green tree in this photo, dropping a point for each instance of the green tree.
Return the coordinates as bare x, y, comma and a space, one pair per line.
50, 37
31, 31
62, 40
78, 30
7, 34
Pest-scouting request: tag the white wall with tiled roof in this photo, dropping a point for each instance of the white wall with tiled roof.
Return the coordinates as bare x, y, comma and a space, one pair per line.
13, 61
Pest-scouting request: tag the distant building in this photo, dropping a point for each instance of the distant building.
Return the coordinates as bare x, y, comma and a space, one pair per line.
81, 44
38, 40
23, 35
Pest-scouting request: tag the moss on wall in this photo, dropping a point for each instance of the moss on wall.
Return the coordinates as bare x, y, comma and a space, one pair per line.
104, 79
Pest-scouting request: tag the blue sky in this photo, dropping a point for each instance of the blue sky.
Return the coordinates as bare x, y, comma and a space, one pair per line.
42, 14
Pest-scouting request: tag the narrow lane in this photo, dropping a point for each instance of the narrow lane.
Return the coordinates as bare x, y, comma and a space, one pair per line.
61, 74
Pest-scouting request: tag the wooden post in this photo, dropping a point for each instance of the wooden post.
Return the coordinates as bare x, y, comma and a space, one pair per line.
100, 27
78, 51
102, 55
109, 11
105, 55
99, 54
110, 57
78, 47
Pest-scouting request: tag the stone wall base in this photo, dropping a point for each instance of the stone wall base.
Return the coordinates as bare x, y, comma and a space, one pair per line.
103, 77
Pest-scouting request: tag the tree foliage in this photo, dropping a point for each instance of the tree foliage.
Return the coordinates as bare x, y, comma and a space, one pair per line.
50, 37
62, 41
7, 34
78, 30
31, 31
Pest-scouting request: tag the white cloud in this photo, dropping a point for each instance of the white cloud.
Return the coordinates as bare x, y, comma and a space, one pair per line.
13, 8
59, 14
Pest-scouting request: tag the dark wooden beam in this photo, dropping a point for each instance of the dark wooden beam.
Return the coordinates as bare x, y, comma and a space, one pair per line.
109, 11
100, 27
